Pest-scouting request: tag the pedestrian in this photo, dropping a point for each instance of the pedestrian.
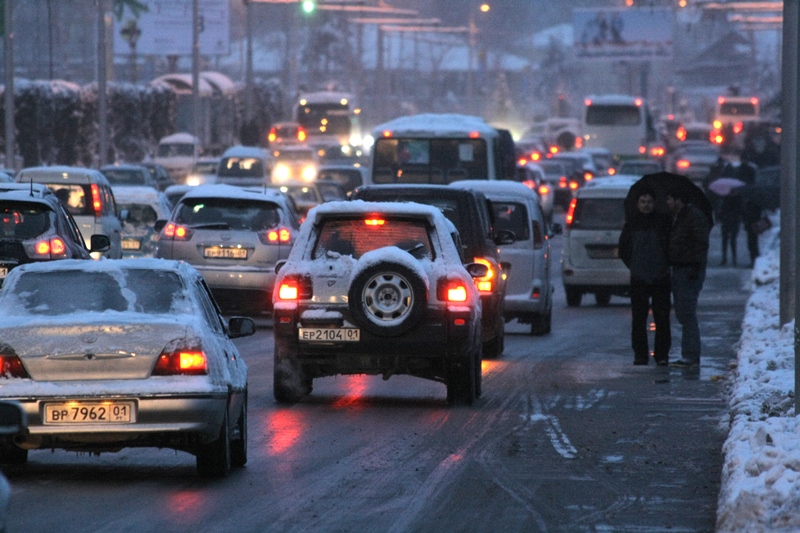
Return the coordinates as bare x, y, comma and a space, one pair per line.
688, 257
730, 219
751, 214
644, 247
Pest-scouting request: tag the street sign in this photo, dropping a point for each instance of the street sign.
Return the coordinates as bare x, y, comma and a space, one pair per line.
614, 33
166, 28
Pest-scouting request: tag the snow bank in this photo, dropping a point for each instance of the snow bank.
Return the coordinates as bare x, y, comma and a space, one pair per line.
760, 489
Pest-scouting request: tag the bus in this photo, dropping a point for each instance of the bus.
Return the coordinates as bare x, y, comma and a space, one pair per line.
440, 149
731, 117
618, 122
329, 118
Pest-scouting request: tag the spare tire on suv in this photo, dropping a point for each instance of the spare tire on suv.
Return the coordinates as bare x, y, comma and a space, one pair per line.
388, 299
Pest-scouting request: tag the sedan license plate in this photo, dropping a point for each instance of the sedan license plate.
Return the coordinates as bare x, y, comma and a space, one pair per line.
131, 244
225, 253
115, 412
330, 334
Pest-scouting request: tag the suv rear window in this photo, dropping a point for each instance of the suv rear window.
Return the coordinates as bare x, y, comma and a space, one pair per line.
599, 213
511, 216
76, 198
228, 213
235, 167
125, 177
358, 236
23, 221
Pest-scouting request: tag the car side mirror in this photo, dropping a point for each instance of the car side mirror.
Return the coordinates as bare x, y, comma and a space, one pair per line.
240, 326
505, 236
556, 229
159, 225
13, 419
279, 265
99, 243
123, 215
477, 270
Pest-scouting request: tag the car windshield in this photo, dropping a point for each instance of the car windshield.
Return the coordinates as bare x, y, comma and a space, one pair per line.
599, 213
175, 149
357, 236
130, 290
250, 167
511, 216
118, 176
228, 213
139, 214
23, 221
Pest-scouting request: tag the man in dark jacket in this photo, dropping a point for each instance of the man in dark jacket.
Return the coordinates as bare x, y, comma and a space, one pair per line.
643, 247
688, 256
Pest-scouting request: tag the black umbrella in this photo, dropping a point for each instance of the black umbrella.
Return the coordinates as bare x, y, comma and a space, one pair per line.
663, 182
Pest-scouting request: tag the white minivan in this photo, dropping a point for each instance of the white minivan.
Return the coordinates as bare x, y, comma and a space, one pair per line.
590, 261
245, 166
526, 260
87, 195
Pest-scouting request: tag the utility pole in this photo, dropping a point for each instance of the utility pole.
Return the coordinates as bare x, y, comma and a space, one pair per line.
8, 38
196, 69
248, 74
102, 76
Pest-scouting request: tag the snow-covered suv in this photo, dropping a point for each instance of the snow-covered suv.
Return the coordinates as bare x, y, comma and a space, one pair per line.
377, 288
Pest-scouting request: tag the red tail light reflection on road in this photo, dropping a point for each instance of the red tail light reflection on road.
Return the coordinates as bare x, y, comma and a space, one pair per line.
285, 429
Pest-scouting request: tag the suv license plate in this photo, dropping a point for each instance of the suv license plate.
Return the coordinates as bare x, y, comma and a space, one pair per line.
330, 334
89, 413
225, 253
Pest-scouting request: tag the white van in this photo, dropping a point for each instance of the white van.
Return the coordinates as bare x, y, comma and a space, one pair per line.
526, 261
245, 166
87, 196
590, 261
178, 154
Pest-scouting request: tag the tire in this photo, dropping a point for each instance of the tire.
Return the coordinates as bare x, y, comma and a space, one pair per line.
478, 373
461, 380
574, 297
239, 446
602, 298
289, 384
388, 299
214, 458
541, 323
11, 454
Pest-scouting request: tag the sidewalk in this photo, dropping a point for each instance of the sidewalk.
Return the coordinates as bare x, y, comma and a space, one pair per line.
760, 489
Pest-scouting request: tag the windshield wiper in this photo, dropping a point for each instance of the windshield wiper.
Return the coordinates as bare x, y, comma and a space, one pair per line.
211, 225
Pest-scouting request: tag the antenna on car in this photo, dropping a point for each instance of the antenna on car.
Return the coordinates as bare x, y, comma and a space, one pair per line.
31, 186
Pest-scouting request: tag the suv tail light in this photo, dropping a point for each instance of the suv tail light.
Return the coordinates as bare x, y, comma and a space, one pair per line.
571, 211
190, 362
301, 134
276, 236
486, 283
451, 291
543, 190
11, 367
52, 248
683, 163
176, 232
296, 288
97, 201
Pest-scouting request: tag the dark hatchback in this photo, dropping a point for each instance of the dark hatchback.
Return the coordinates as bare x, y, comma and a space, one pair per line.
35, 227
471, 214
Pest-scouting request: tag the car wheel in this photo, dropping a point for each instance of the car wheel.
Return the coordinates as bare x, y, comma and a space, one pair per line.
541, 323
387, 299
214, 458
602, 298
478, 372
239, 445
461, 380
289, 384
11, 454
574, 297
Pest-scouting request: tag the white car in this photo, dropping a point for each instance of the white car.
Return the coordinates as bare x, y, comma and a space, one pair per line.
143, 207
104, 355
203, 172
526, 261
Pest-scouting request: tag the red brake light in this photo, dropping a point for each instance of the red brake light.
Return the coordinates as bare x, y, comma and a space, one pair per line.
301, 135
452, 290
276, 236
176, 232
571, 211
522, 161
612, 171
295, 288
574, 185
53, 248
457, 293
191, 362
11, 367
97, 203
474, 135
562, 182
536, 156
288, 291
680, 133
530, 184
374, 222
682, 163
738, 127
486, 283
272, 135
543, 189
387, 133
588, 176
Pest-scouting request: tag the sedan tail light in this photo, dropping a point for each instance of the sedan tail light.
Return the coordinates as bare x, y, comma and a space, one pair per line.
176, 232
190, 362
683, 163
11, 367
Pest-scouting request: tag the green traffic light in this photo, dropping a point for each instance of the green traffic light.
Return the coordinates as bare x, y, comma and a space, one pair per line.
309, 6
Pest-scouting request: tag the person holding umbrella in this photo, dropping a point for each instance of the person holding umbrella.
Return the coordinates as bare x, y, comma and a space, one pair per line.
643, 247
688, 256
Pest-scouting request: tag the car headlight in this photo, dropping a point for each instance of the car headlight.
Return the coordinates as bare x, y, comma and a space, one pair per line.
194, 181
281, 173
309, 173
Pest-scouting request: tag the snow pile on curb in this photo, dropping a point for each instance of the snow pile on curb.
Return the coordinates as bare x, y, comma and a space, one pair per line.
761, 475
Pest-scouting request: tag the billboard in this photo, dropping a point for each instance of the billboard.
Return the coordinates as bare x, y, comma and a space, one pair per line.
166, 28
619, 33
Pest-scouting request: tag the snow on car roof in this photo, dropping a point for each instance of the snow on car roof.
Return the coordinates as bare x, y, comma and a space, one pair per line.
221, 190
493, 187
244, 151
179, 138
435, 125
23, 196
141, 194
362, 207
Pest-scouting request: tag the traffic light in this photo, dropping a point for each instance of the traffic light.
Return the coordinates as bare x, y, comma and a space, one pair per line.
309, 6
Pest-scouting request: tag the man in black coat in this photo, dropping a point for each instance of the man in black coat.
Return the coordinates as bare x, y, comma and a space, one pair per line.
643, 247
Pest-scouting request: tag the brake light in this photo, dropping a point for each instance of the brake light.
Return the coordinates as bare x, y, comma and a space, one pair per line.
681, 134
53, 248
97, 203
571, 211
11, 367
474, 135
530, 184
177, 232
522, 161
554, 149
754, 100
387, 133
295, 288
642, 149
717, 138
657, 151
562, 182
536, 156
717, 124
276, 236
588, 176
485, 284
638, 102
543, 189
738, 127
457, 293
682, 163
288, 291
573, 185
301, 135
272, 136
191, 362
579, 142
612, 171
451, 291
374, 222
